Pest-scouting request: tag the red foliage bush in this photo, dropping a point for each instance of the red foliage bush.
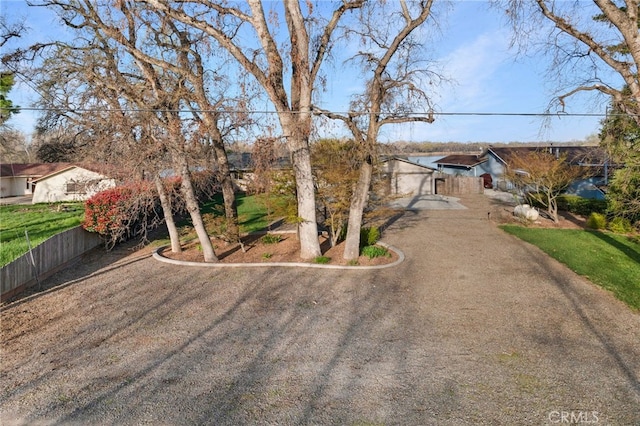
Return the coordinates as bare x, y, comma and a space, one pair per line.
121, 212
132, 209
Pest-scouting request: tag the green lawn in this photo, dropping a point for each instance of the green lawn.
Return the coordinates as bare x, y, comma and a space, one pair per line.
42, 221
252, 213
609, 260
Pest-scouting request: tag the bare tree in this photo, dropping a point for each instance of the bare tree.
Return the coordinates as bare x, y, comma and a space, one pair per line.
594, 46
10, 30
178, 52
161, 69
543, 177
393, 92
14, 147
88, 93
295, 62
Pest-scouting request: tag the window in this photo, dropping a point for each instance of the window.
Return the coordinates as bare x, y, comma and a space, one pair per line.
73, 187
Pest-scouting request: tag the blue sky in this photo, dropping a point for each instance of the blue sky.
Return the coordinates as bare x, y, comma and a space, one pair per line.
473, 50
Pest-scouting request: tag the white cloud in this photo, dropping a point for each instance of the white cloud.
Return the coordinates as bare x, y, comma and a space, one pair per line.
472, 67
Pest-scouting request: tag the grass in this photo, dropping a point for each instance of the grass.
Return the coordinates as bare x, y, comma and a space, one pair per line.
609, 260
375, 251
252, 214
41, 221
271, 239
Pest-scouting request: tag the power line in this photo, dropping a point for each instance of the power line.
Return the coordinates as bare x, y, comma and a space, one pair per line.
29, 82
443, 113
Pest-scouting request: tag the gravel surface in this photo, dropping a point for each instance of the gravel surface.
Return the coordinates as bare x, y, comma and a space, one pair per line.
474, 327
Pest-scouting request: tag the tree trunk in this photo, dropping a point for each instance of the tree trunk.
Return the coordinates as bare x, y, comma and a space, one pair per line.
358, 203
228, 193
174, 236
307, 225
553, 209
230, 207
194, 211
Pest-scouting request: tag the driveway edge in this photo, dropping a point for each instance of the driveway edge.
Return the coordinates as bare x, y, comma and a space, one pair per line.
157, 254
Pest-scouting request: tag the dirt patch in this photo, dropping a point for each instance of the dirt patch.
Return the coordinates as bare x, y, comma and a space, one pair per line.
276, 247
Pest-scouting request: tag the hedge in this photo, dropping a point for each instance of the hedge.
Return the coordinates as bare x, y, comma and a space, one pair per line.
575, 204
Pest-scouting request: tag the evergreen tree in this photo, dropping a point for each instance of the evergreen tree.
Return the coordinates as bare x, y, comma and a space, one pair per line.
7, 109
620, 136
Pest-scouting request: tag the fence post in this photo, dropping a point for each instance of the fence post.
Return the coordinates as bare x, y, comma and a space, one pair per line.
33, 261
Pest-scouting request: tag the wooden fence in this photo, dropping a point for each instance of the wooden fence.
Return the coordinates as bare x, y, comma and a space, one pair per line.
458, 185
49, 257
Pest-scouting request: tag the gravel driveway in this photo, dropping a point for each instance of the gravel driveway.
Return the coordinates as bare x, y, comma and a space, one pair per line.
474, 327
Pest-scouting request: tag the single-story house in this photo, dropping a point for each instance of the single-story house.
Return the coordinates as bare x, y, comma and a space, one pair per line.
462, 164
407, 178
593, 158
73, 183
17, 180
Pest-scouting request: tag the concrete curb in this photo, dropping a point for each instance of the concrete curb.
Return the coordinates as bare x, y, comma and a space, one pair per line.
157, 254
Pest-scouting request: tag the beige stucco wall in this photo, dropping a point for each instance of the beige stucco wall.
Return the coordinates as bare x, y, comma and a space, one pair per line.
409, 179
54, 188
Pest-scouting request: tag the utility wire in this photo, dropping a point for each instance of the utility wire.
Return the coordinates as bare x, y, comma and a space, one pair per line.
443, 113
29, 82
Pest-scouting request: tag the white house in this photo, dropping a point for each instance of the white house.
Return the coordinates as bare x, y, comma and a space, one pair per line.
17, 180
73, 183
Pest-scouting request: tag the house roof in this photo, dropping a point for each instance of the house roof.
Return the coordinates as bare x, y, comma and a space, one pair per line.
38, 171
461, 160
576, 155
102, 169
33, 170
404, 160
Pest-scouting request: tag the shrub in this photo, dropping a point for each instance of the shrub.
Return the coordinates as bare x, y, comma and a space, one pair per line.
596, 221
580, 205
573, 204
375, 251
271, 239
215, 223
620, 225
369, 236
120, 213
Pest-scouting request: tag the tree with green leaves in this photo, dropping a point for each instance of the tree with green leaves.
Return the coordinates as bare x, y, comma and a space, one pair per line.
8, 31
620, 136
335, 164
7, 108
